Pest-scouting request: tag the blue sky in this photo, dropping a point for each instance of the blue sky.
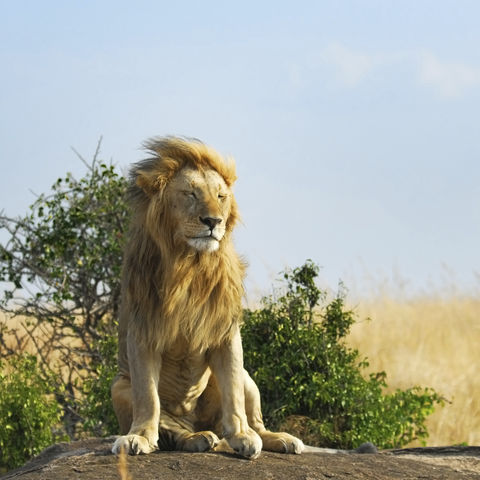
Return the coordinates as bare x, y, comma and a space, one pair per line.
354, 124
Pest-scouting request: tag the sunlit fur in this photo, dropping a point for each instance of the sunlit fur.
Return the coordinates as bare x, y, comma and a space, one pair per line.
181, 381
170, 287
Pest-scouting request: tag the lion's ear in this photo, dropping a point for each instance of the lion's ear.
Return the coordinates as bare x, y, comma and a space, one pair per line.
150, 184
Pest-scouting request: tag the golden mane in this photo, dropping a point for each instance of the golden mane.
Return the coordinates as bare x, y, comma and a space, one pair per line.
169, 290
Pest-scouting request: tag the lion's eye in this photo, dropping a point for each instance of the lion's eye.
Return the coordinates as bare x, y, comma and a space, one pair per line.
221, 197
190, 194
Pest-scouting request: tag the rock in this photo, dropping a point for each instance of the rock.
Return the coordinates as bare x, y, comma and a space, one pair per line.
91, 460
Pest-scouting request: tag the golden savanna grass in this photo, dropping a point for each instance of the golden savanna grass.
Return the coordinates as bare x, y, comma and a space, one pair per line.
429, 341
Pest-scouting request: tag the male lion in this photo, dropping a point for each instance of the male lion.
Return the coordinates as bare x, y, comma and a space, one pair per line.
182, 384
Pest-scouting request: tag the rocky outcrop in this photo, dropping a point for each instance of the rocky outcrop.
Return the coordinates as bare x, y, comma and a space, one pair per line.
91, 460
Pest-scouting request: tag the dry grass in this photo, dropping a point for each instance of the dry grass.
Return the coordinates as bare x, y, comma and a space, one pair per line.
122, 466
429, 342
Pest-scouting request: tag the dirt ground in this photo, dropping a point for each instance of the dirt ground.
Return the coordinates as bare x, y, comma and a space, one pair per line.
91, 460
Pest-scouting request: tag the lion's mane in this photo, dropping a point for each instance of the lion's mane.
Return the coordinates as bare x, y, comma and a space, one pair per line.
170, 290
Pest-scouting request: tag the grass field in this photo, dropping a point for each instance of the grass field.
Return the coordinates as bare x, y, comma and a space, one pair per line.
432, 342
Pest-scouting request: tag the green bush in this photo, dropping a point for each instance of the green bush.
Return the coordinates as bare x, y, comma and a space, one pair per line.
96, 409
28, 412
312, 382
61, 265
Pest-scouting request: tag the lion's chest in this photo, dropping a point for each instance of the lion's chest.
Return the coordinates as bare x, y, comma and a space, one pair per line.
183, 378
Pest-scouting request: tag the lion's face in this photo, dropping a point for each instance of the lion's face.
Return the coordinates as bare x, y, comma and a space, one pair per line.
200, 203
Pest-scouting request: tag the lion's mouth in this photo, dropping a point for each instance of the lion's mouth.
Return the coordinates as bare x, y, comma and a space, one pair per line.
210, 236
208, 243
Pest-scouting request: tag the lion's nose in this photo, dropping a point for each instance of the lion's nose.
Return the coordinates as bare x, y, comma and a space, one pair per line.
211, 222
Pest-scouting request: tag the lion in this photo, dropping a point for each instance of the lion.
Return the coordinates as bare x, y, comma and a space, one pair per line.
181, 382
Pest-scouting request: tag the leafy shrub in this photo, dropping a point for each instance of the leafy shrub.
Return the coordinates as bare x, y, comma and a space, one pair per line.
62, 263
28, 411
96, 409
311, 381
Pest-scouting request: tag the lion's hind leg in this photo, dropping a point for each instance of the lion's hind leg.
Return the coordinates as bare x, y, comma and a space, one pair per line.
122, 402
178, 434
281, 442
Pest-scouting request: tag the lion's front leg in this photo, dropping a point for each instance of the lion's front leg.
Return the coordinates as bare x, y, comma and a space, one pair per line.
144, 367
226, 363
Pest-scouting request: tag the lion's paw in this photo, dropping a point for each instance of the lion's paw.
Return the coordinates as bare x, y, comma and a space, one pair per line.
247, 444
133, 445
282, 442
200, 442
